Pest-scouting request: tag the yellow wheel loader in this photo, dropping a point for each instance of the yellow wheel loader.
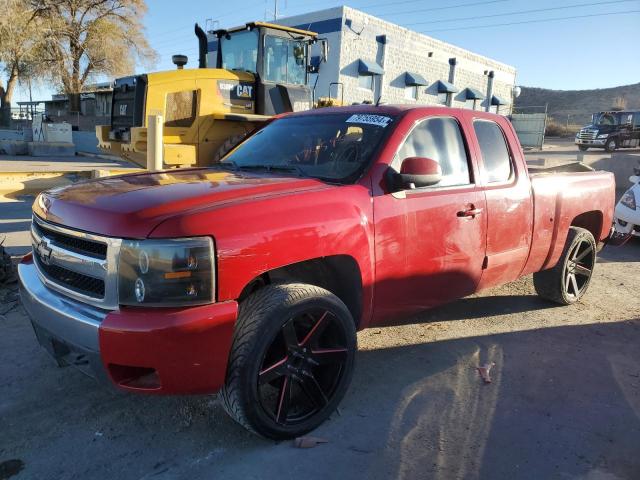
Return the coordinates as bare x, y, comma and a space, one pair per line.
261, 70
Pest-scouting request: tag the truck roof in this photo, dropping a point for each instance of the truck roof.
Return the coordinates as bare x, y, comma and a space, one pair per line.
390, 110
251, 25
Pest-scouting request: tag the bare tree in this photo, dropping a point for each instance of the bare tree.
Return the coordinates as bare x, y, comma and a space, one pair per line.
87, 38
20, 47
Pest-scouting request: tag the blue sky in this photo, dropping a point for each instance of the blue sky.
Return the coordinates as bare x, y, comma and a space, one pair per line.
596, 51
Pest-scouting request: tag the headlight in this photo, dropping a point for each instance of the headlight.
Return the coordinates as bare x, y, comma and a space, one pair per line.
629, 200
604, 135
166, 272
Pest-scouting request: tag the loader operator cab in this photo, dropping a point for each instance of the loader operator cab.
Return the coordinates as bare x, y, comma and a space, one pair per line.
257, 71
278, 57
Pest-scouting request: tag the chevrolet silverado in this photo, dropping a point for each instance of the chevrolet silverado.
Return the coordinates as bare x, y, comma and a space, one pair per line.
252, 277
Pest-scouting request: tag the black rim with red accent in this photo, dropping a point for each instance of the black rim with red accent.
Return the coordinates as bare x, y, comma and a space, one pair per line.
302, 367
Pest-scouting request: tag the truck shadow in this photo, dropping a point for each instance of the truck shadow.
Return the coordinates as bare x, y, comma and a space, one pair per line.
563, 403
629, 252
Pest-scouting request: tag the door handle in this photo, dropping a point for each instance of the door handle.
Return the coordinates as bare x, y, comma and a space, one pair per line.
470, 212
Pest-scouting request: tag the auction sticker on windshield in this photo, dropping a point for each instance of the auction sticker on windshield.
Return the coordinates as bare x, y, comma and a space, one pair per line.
379, 120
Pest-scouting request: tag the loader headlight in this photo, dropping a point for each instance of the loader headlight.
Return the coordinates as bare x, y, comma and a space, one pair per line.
166, 272
629, 200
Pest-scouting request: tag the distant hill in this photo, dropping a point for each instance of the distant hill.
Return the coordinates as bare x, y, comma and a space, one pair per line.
580, 104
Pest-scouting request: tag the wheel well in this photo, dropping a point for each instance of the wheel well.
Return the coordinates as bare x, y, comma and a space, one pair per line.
339, 274
591, 221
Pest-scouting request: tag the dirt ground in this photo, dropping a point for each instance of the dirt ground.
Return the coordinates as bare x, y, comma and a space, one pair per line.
564, 402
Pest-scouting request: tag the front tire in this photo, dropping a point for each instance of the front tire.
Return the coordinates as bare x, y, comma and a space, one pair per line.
568, 281
611, 145
291, 360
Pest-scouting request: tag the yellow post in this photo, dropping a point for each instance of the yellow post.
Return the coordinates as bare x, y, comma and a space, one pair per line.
154, 143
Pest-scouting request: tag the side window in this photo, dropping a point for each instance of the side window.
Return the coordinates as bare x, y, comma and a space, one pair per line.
636, 120
285, 60
493, 147
440, 139
180, 110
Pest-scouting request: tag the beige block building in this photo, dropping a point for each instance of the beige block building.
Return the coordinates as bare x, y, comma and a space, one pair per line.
371, 59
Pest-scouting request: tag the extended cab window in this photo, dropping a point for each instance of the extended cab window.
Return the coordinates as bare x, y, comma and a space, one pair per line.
494, 150
439, 139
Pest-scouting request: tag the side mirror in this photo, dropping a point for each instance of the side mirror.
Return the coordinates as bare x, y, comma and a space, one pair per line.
418, 172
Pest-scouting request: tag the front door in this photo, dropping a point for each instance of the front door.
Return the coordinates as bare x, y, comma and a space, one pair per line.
430, 242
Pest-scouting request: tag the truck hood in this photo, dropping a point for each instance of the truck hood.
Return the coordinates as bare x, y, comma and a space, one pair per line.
131, 206
601, 128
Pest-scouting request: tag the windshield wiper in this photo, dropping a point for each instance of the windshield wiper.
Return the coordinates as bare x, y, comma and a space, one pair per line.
272, 168
227, 165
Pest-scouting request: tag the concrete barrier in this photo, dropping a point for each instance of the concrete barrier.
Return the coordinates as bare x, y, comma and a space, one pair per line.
13, 147
84, 141
51, 149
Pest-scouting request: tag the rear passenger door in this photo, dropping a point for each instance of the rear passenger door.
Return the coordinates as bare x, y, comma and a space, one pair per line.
509, 203
429, 248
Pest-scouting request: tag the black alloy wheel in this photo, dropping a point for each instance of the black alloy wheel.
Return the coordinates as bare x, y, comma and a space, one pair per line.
578, 268
569, 279
291, 360
302, 367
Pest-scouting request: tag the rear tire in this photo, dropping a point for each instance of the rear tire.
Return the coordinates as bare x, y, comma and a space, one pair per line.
568, 281
291, 360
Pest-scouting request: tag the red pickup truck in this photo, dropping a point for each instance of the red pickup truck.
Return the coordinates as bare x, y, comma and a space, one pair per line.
253, 276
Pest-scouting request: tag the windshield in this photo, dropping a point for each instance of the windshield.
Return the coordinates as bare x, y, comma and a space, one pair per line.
240, 51
332, 147
608, 118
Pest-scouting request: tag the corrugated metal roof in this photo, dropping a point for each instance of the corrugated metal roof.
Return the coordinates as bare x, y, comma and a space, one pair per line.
446, 87
411, 78
366, 67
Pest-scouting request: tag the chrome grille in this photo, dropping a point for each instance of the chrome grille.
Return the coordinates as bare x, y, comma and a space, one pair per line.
78, 264
587, 134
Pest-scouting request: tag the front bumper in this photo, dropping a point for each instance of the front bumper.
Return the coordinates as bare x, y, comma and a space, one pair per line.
626, 221
68, 330
153, 350
591, 143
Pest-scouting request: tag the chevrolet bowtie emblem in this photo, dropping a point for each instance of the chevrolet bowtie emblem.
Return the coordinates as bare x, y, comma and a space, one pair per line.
44, 252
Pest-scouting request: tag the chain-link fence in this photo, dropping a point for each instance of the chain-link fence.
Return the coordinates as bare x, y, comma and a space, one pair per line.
17, 118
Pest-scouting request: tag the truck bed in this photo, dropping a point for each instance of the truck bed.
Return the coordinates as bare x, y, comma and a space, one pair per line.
559, 195
572, 167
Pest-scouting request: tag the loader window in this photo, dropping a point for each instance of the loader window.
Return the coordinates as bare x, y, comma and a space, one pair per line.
181, 108
284, 60
240, 51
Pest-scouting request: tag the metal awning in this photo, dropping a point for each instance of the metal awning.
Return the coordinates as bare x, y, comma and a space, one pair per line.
496, 100
445, 87
366, 67
472, 94
414, 79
